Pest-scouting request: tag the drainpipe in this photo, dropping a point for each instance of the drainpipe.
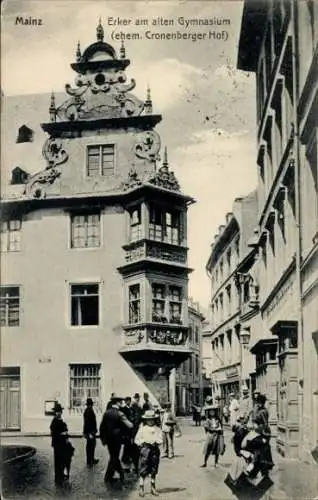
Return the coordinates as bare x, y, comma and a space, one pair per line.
295, 47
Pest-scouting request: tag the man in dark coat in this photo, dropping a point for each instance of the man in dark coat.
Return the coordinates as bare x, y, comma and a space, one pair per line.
127, 436
90, 431
136, 418
112, 429
59, 434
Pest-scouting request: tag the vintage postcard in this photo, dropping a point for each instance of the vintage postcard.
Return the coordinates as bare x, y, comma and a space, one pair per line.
159, 249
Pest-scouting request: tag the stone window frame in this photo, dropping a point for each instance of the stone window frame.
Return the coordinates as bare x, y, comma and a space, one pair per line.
100, 173
11, 232
77, 296
86, 226
88, 384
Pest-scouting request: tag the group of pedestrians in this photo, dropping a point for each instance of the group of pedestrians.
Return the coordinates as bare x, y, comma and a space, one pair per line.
131, 431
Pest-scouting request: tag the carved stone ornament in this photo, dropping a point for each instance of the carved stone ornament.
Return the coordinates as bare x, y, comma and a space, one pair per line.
132, 181
165, 179
53, 152
148, 146
167, 337
134, 336
35, 188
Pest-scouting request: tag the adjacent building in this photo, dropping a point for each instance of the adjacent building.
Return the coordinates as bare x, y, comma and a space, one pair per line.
278, 42
189, 375
229, 248
94, 272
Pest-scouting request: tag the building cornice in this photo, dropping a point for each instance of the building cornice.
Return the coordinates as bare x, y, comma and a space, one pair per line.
76, 127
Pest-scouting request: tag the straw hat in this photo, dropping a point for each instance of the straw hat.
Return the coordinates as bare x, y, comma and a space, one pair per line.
149, 415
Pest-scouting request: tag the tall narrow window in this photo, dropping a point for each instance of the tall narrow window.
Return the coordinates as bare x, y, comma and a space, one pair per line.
165, 225
85, 230
172, 229
158, 302
100, 160
134, 304
175, 304
85, 304
84, 383
9, 306
135, 224
11, 235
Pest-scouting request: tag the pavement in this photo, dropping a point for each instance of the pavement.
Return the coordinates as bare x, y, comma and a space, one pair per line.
180, 478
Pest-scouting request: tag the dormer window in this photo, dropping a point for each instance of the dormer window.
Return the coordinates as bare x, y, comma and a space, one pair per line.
25, 134
100, 160
19, 176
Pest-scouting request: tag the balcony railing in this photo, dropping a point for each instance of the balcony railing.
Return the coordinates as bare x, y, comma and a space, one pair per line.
165, 335
148, 249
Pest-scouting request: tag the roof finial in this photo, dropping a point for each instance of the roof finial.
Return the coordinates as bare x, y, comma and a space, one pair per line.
165, 158
122, 50
100, 31
148, 102
52, 108
78, 52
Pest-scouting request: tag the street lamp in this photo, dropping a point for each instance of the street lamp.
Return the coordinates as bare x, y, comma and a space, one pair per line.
245, 336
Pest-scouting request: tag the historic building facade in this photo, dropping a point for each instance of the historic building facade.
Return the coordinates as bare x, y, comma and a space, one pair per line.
278, 42
229, 248
189, 376
94, 249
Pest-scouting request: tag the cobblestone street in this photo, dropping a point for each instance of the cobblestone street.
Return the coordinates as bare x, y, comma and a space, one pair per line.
181, 478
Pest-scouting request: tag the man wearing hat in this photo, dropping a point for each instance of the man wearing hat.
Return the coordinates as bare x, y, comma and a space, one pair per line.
90, 431
59, 434
112, 428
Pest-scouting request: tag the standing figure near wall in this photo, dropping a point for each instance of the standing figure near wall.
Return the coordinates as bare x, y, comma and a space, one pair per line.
90, 431
63, 450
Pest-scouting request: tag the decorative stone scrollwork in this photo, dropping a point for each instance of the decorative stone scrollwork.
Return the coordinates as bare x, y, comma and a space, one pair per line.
36, 185
148, 146
170, 255
134, 336
132, 181
53, 152
167, 337
135, 254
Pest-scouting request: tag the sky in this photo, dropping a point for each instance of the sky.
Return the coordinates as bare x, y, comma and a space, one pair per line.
208, 107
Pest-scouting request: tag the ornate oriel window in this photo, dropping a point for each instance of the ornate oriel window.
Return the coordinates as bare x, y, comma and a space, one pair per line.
135, 224
9, 306
175, 304
134, 304
100, 160
165, 225
11, 235
85, 304
85, 230
166, 303
158, 303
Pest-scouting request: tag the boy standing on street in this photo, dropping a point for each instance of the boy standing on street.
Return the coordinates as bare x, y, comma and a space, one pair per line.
148, 437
